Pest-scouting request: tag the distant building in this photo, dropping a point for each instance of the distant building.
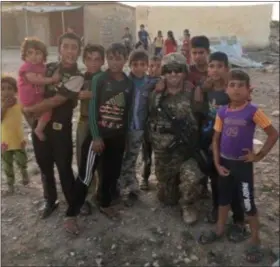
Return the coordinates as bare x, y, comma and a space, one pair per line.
250, 24
101, 23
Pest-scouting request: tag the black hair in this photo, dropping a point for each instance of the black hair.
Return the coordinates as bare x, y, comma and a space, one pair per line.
171, 36
155, 58
72, 36
200, 41
186, 31
219, 56
159, 33
10, 80
89, 48
117, 48
239, 75
126, 28
137, 55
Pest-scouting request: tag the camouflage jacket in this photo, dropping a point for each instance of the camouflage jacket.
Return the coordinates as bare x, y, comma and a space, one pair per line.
160, 128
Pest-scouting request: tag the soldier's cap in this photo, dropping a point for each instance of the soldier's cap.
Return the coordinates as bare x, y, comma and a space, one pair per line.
174, 59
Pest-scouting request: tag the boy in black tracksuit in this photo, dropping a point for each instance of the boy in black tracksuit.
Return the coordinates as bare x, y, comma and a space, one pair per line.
109, 117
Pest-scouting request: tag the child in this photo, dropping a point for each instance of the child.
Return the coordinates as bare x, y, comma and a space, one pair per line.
109, 120
154, 76
215, 86
154, 69
143, 37
186, 46
170, 44
32, 79
58, 147
93, 58
158, 43
200, 49
234, 157
12, 136
138, 63
127, 40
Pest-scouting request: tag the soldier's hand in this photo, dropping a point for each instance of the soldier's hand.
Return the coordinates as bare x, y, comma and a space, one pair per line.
207, 84
160, 86
98, 146
222, 170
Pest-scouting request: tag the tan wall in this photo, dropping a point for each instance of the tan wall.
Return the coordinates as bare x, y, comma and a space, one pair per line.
38, 26
249, 23
105, 23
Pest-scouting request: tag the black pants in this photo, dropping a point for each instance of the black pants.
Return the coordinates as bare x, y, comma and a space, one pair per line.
138, 44
158, 51
58, 150
108, 164
238, 186
236, 206
146, 156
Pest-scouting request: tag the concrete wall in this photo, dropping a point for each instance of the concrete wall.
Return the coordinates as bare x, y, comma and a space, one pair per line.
38, 26
104, 23
249, 23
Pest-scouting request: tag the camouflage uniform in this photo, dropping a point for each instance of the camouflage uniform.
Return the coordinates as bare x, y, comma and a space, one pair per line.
177, 173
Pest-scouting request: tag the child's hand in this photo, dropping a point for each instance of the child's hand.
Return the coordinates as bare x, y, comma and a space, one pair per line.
222, 170
85, 95
4, 147
23, 144
208, 84
250, 156
98, 146
56, 76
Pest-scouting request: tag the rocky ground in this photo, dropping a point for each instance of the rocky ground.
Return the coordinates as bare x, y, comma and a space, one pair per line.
148, 234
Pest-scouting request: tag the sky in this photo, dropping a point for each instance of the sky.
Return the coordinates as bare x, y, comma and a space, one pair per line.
275, 13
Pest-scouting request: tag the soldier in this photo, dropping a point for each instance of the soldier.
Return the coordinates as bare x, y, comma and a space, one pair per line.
176, 170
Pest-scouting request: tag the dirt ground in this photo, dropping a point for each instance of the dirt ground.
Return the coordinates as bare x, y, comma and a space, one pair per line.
148, 234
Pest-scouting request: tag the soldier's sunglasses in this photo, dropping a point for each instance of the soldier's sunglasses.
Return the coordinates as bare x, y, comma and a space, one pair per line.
176, 69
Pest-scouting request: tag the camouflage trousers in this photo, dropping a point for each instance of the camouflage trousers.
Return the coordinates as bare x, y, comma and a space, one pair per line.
178, 179
128, 180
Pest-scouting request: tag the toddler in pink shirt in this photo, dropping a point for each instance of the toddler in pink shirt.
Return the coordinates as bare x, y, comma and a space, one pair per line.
31, 80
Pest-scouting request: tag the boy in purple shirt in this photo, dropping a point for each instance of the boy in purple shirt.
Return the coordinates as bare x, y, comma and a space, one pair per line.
234, 156
215, 88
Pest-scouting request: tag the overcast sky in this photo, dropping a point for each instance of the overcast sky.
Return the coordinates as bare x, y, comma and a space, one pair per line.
275, 13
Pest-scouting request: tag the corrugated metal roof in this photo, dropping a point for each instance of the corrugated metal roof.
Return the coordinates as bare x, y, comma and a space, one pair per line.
41, 9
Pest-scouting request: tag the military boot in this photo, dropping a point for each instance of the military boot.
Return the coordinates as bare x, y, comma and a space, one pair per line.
189, 215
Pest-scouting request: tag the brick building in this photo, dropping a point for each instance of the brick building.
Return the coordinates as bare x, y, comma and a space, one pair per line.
101, 23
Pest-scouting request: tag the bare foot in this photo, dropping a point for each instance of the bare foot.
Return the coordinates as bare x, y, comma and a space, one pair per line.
40, 134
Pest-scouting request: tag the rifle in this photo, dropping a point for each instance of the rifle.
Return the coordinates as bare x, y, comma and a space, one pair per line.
186, 134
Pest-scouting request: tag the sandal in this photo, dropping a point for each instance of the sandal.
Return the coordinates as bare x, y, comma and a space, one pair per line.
237, 233
71, 226
209, 238
110, 212
253, 253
